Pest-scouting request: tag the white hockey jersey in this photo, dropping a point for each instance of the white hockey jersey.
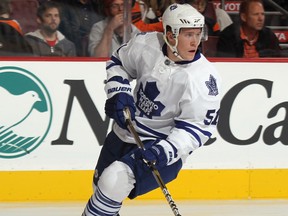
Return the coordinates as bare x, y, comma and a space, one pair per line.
177, 102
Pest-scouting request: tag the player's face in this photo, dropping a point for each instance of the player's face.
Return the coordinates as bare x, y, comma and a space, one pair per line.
51, 20
255, 16
188, 42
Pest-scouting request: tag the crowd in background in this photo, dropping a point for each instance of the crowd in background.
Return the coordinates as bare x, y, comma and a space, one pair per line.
94, 28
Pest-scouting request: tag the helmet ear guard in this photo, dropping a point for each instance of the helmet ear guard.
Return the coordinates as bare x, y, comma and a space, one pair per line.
204, 36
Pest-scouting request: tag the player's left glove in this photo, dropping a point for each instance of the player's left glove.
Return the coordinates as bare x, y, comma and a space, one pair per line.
158, 153
155, 155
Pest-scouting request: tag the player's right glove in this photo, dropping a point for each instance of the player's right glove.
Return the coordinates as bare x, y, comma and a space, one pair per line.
114, 108
119, 95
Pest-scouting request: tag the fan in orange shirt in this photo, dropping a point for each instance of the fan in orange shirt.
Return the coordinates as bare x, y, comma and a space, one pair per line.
140, 13
5, 11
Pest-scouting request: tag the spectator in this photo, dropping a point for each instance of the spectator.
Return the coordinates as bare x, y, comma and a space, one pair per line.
147, 14
140, 13
212, 25
159, 6
251, 38
12, 42
78, 17
107, 35
5, 15
25, 13
47, 40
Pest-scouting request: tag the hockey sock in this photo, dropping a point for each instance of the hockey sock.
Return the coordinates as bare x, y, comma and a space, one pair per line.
100, 205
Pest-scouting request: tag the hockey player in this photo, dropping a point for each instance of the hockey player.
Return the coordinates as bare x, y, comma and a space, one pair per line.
174, 106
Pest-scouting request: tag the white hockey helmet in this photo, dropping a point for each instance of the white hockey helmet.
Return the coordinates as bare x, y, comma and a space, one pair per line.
179, 16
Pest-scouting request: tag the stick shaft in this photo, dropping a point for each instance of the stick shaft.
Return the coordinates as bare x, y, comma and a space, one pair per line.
155, 172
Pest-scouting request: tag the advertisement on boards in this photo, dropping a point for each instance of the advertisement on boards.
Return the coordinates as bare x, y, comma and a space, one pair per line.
52, 117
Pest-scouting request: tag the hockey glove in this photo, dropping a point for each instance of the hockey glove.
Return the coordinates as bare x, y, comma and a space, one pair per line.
154, 155
115, 105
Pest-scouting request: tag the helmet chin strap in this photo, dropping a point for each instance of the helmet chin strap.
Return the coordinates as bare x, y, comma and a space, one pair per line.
173, 48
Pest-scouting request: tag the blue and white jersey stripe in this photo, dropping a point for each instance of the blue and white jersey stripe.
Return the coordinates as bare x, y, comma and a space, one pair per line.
193, 130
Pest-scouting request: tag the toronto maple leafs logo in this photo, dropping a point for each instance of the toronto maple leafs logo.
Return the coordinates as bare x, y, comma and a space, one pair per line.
212, 86
146, 102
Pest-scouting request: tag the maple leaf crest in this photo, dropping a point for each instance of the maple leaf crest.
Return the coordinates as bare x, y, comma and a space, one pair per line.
146, 100
212, 86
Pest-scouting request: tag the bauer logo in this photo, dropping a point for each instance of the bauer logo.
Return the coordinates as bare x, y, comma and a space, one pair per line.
25, 112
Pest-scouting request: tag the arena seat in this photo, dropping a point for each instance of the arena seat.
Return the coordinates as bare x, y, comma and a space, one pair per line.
209, 47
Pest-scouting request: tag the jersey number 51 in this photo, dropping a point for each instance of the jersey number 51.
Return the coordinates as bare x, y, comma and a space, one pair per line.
211, 117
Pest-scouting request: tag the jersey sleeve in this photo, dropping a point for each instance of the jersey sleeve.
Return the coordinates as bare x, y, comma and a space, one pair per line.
123, 61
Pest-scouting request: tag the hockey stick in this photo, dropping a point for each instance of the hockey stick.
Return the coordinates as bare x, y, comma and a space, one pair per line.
152, 167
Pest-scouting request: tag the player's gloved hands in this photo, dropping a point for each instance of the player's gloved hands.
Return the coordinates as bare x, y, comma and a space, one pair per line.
154, 154
115, 105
